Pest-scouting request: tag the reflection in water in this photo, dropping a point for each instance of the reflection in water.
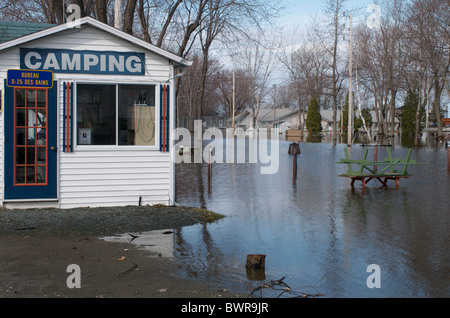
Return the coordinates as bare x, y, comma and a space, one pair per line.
158, 243
315, 229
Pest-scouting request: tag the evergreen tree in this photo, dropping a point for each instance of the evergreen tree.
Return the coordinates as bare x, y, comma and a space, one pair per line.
408, 120
313, 117
365, 113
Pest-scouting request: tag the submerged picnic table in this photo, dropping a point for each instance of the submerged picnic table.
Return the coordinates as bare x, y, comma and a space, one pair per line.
368, 170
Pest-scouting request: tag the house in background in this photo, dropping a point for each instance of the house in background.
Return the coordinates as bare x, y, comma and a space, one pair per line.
288, 118
281, 118
268, 118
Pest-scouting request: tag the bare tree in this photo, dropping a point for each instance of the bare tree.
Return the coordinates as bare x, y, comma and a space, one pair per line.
258, 63
214, 24
380, 61
242, 89
128, 16
428, 46
288, 57
335, 10
102, 11
188, 97
437, 50
309, 65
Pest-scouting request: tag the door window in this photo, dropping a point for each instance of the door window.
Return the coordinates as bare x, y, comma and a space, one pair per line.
30, 137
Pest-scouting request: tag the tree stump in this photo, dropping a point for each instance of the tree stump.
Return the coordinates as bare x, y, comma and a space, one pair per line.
255, 266
256, 261
256, 274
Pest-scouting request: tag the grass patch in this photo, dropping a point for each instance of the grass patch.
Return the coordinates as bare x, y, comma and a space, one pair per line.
199, 214
207, 215
159, 206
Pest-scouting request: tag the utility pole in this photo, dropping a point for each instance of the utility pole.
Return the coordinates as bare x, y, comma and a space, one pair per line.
234, 97
274, 102
350, 91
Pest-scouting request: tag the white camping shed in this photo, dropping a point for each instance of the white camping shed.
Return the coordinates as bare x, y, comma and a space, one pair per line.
87, 117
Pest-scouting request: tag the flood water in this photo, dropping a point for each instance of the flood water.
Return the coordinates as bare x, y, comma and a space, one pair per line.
318, 232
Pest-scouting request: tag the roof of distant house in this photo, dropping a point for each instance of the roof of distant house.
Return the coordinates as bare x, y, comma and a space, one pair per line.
270, 114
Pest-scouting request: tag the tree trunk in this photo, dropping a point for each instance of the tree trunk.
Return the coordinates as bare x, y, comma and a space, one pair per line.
167, 22
143, 21
128, 16
101, 11
204, 75
437, 103
417, 128
56, 12
256, 261
393, 96
192, 27
336, 26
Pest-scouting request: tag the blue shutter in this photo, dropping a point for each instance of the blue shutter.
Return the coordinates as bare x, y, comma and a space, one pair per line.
164, 118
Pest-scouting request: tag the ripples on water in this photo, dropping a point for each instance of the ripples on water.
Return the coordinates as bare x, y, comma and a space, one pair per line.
315, 229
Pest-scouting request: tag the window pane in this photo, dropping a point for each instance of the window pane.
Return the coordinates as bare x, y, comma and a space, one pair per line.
31, 137
20, 98
31, 98
31, 155
41, 98
137, 115
20, 175
41, 117
20, 117
41, 155
41, 174
20, 155
31, 118
31, 173
96, 114
41, 137
20, 136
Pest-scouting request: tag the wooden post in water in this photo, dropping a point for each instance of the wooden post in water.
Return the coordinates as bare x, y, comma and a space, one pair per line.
448, 160
209, 170
375, 157
294, 149
209, 161
294, 168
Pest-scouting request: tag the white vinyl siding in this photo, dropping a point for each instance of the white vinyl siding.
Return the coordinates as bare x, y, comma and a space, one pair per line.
113, 178
2, 183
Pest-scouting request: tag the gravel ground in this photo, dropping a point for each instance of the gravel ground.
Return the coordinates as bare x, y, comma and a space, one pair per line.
101, 221
36, 247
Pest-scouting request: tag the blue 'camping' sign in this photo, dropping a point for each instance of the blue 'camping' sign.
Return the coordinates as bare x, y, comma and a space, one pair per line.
91, 62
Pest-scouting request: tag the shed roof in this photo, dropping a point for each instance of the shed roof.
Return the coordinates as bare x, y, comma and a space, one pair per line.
48, 30
13, 30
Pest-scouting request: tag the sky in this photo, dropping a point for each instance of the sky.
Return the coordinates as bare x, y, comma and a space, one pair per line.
301, 11
298, 14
